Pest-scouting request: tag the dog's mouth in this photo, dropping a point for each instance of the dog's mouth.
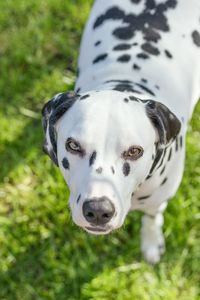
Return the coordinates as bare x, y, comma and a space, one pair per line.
98, 230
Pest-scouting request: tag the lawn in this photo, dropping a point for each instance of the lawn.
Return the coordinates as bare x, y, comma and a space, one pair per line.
43, 255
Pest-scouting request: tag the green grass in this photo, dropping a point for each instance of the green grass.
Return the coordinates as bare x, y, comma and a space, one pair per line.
42, 254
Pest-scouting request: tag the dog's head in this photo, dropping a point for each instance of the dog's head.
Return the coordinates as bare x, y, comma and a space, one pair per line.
104, 144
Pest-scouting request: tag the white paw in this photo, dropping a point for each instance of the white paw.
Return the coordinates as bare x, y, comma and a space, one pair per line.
152, 240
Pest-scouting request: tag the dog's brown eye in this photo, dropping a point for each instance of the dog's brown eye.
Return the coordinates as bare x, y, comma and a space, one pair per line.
73, 146
133, 153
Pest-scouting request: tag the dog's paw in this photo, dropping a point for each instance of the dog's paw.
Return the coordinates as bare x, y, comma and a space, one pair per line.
152, 240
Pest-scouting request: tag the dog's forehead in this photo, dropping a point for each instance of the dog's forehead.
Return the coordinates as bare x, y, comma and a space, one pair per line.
107, 115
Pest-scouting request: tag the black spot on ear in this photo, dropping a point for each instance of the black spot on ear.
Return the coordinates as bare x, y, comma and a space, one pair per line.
99, 170
147, 47
99, 58
124, 58
142, 55
144, 197
126, 169
122, 47
164, 180
196, 38
78, 199
84, 97
97, 43
92, 158
113, 170
166, 123
65, 163
168, 54
126, 100
136, 67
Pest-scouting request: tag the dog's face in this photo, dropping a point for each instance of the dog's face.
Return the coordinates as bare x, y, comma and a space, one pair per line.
104, 144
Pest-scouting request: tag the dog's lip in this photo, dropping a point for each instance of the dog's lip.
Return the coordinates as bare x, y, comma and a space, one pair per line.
97, 229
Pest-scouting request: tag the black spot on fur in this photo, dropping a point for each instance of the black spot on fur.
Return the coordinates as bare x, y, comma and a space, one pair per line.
77, 72
121, 47
125, 88
181, 141
92, 158
164, 152
126, 100
99, 170
136, 67
124, 58
157, 87
149, 23
164, 180
142, 55
113, 170
78, 199
132, 98
176, 144
123, 33
168, 54
170, 154
113, 13
156, 160
65, 163
97, 43
100, 57
162, 171
144, 80
126, 169
135, 1
78, 90
144, 197
196, 38
146, 89
84, 97
147, 47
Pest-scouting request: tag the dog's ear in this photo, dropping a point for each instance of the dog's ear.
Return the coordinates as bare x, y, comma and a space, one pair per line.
165, 122
51, 112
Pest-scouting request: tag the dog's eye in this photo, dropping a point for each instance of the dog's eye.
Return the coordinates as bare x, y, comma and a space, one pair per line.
133, 153
73, 146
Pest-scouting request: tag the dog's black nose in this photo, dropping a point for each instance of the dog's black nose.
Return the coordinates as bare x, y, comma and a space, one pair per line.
98, 211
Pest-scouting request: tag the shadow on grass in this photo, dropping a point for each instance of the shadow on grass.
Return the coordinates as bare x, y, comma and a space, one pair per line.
15, 152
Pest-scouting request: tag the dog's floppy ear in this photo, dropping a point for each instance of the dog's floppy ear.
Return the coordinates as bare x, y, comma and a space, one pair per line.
166, 123
51, 112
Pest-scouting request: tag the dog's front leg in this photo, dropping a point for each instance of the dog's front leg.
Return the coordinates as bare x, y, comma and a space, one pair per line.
152, 239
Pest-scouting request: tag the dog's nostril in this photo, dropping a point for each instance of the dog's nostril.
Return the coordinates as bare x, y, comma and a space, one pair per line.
105, 216
90, 214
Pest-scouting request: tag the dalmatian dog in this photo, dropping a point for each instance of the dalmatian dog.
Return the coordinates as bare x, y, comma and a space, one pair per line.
119, 138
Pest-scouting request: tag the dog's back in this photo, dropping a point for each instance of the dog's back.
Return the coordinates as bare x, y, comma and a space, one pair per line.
157, 42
